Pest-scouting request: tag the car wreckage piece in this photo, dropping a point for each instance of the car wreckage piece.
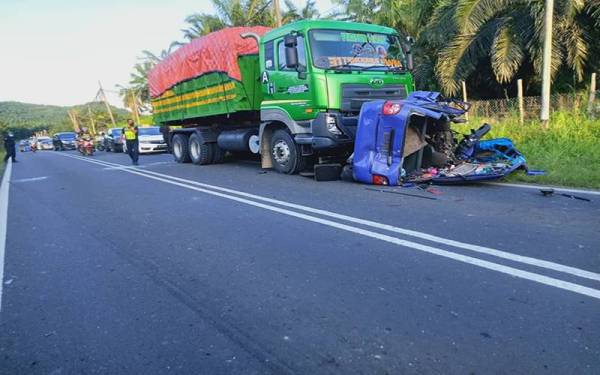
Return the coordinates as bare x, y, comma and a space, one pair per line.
411, 140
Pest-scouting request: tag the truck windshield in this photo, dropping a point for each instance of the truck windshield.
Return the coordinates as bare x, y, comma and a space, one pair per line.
337, 49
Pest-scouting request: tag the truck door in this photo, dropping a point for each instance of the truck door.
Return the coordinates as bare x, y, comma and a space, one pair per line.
283, 86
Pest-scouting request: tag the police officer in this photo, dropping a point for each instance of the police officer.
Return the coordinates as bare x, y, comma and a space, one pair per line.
130, 133
9, 146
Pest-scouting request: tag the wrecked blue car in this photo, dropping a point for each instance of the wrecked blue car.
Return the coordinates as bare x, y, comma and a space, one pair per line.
411, 140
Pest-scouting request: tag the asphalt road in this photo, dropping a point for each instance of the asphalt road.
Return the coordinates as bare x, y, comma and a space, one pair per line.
226, 269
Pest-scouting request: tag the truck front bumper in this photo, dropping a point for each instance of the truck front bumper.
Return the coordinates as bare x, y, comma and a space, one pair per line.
321, 138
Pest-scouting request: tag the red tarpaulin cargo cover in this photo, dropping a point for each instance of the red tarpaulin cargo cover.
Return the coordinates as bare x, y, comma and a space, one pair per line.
215, 52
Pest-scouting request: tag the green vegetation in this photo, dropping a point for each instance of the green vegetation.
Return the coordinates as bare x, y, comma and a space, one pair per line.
24, 119
489, 44
569, 150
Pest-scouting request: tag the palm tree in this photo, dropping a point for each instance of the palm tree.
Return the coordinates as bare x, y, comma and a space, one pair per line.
294, 14
154, 58
244, 12
201, 24
138, 82
359, 10
509, 33
229, 13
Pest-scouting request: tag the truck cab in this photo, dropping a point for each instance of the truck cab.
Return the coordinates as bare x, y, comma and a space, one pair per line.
315, 76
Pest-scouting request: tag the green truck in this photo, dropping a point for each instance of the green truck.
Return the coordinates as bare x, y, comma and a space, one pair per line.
292, 94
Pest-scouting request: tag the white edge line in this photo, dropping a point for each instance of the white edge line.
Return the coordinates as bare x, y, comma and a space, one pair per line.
4, 189
532, 186
31, 179
565, 285
425, 236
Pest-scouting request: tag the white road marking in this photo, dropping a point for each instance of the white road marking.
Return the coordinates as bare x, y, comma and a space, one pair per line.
561, 284
408, 232
537, 187
4, 188
30, 179
133, 166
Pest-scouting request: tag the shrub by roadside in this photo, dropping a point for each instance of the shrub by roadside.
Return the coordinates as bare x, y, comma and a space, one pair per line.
2, 153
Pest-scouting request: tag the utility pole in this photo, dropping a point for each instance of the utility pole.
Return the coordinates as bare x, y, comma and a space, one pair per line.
546, 67
103, 97
277, 11
134, 107
464, 92
592, 95
92, 120
73, 120
521, 103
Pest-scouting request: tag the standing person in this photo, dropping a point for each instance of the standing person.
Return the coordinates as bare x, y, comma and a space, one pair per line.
130, 133
9, 146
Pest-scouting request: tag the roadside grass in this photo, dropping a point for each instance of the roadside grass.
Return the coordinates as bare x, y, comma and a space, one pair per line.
2, 153
569, 150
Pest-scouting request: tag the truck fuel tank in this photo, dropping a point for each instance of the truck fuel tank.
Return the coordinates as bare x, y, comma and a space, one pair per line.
236, 140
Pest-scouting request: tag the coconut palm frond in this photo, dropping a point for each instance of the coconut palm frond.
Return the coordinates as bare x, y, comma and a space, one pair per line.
506, 54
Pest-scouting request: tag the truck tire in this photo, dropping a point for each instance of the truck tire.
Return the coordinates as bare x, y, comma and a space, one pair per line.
180, 149
285, 153
200, 153
218, 154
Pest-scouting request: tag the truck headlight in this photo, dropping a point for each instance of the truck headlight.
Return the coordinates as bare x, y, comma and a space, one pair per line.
331, 123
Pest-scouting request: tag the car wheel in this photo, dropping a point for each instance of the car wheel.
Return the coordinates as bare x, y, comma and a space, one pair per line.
180, 148
285, 153
200, 153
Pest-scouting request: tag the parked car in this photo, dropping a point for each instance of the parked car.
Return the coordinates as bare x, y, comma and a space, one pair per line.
150, 140
113, 141
64, 141
24, 145
44, 143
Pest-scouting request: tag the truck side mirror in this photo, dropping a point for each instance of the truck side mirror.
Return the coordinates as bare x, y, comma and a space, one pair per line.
291, 51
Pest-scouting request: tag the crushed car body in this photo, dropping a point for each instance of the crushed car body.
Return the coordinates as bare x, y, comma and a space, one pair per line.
411, 140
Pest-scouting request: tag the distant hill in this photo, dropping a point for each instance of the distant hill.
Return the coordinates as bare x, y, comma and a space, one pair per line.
24, 118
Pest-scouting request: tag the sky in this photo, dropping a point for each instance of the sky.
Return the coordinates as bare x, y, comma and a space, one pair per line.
56, 51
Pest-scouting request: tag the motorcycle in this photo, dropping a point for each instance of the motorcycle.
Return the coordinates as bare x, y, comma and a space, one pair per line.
100, 145
86, 147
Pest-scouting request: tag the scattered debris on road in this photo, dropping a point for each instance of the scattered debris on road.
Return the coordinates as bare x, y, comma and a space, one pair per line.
401, 193
546, 192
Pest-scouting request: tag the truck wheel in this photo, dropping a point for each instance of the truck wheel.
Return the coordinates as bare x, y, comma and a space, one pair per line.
180, 148
218, 154
285, 153
200, 153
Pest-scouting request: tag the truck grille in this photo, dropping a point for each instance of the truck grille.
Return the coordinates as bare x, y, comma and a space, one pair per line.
354, 95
